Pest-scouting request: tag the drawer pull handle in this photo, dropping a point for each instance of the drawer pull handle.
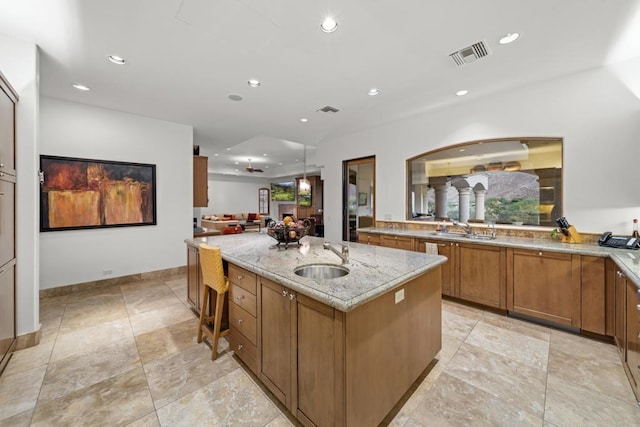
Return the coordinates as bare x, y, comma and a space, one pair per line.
638, 307
240, 321
284, 293
239, 276
539, 253
240, 347
1, 165
240, 297
292, 296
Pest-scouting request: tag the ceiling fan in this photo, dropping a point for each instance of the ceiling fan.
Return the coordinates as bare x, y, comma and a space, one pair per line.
251, 169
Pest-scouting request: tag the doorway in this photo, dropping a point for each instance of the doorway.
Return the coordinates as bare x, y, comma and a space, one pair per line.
358, 196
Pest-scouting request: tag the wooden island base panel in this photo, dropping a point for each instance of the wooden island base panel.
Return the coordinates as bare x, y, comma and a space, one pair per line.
334, 361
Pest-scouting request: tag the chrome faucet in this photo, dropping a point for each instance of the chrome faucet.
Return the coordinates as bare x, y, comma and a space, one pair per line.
466, 227
343, 254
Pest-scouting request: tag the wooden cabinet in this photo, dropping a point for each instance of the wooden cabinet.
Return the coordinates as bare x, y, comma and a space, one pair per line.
200, 181
620, 314
545, 285
243, 314
369, 238
194, 287
596, 295
627, 328
8, 100
479, 274
397, 242
445, 249
633, 337
278, 349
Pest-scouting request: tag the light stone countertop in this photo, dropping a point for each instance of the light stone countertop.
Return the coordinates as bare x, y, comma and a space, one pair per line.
374, 270
627, 260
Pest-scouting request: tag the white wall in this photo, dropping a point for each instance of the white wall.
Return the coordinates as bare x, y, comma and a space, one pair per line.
19, 64
76, 130
595, 113
233, 194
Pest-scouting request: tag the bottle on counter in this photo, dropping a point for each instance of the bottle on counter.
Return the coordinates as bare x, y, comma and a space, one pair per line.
635, 233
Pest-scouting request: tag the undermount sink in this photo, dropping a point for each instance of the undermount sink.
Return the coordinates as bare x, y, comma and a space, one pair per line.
481, 236
468, 236
321, 271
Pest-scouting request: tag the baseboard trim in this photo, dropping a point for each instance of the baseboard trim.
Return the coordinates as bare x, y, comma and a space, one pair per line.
114, 281
31, 339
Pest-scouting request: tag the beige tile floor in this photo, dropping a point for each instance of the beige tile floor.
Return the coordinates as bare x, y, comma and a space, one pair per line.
127, 355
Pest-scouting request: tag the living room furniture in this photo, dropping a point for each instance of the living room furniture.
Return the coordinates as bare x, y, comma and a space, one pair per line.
219, 221
200, 182
207, 232
213, 278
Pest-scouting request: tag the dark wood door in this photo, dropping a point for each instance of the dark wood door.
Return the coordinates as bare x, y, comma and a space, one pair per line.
278, 332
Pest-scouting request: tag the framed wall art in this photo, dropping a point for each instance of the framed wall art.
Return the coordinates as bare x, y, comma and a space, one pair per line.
82, 193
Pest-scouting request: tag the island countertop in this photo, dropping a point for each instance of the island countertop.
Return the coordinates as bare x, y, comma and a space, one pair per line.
373, 270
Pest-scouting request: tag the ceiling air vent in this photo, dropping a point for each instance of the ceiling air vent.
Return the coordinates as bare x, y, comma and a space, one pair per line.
470, 53
328, 109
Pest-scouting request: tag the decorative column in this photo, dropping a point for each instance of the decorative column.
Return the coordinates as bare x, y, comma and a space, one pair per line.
480, 194
464, 196
441, 187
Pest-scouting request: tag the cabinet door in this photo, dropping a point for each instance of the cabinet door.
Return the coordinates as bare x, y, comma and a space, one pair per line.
7, 120
633, 338
621, 315
7, 311
593, 294
7, 227
277, 333
481, 274
369, 239
193, 278
445, 249
546, 285
397, 242
200, 182
318, 338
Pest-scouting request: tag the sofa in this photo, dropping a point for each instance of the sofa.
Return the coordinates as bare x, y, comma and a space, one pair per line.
219, 221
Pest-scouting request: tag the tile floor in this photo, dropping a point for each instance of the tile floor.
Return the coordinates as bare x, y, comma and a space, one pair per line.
127, 356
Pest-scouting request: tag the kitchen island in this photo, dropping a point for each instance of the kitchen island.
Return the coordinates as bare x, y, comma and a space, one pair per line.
339, 351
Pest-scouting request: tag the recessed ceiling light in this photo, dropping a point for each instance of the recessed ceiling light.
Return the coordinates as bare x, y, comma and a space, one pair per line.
80, 86
462, 92
228, 148
235, 97
509, 38
216, 154
329, 25
265, 154
237, 163
304, 120
279, 164
117, 59
373, 91
253, 82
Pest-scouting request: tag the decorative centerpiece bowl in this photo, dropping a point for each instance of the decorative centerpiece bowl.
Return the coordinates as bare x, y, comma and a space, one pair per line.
288, 230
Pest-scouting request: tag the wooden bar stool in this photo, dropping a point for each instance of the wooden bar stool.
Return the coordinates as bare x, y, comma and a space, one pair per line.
213, 278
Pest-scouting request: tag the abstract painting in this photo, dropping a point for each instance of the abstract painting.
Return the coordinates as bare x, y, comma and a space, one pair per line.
81, 193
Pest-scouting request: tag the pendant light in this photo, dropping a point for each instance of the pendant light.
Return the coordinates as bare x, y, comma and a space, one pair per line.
305, 185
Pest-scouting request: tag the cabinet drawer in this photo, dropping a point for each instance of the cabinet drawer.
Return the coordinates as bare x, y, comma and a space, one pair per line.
243, 298
243, 348
243, 278
243, 321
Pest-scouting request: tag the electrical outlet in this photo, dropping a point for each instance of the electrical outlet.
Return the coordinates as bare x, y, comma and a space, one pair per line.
399, 295
107, 272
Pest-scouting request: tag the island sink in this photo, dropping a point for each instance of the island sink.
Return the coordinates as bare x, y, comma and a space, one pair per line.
321, 271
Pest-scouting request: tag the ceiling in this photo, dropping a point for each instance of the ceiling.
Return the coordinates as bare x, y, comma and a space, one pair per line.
185, 57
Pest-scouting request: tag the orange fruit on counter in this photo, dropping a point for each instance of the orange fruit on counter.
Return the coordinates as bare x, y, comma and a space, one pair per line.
287, 220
